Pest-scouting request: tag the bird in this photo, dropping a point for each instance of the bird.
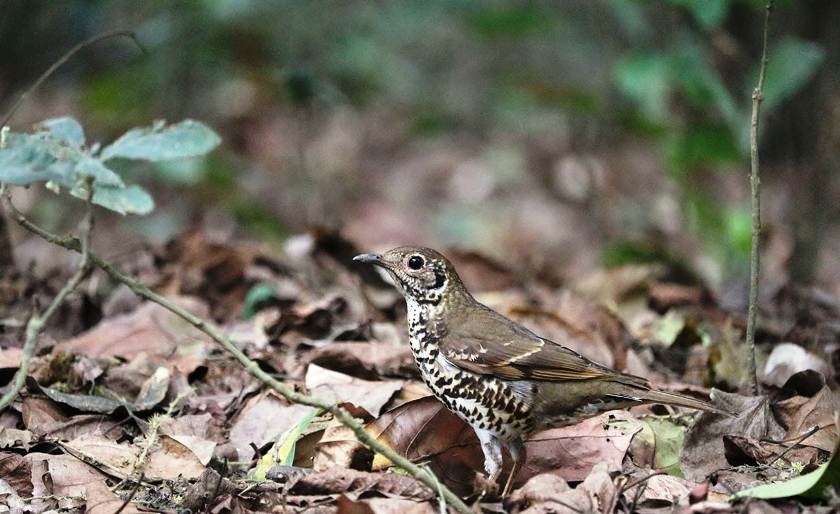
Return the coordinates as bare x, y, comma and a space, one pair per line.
502, 379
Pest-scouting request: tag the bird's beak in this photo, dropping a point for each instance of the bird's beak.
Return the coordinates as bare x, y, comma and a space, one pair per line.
369, 258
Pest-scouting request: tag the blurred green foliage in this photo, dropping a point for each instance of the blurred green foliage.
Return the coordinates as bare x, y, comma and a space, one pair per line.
676, 72
56, 154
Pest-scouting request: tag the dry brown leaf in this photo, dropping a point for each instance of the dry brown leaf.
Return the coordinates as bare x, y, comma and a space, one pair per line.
167, 460
149, 329
344, 481
209, 486
364, 359
599, 485
612, 286
338, 447
664, 295
37, 412
61, 475
548, 493
100, 500
153, 390
79, 426
799, 414
170, 460
225, 383
262, 419
12, 437
16, 471
661, 488
703, 450
192, 430
336, 387
745, 450
383, 506
9, 498
10, 358
213, 270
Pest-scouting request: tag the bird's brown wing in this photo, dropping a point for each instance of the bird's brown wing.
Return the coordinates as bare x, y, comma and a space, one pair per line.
490, 344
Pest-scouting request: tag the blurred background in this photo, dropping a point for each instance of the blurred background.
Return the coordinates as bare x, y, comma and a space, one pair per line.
557, 137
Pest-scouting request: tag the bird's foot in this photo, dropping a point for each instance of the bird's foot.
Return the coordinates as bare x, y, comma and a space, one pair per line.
485, 486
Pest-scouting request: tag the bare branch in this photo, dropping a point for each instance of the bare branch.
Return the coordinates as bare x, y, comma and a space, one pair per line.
755, 184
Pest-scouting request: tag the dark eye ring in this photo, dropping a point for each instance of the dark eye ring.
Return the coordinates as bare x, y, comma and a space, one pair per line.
415, 262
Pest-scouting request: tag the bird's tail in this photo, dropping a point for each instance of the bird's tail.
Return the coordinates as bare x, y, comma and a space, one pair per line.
680, 400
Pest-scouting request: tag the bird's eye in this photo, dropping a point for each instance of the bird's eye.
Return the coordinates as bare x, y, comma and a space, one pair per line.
415, 262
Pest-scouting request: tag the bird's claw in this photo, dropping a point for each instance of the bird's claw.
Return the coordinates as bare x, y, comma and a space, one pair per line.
486, 487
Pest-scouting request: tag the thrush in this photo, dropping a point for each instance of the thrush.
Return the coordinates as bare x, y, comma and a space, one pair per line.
501, 378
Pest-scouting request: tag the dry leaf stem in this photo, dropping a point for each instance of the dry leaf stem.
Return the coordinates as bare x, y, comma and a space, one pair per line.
340, 414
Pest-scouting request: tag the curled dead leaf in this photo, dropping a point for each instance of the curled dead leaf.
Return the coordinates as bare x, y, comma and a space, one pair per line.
703, 452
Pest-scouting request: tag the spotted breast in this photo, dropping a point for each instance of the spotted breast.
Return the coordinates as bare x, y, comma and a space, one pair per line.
500, 407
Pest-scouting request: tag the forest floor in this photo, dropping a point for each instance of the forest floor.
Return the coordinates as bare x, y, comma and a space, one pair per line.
125, 400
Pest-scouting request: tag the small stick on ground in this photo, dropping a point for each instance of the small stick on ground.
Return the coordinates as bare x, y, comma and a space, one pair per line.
804, 436
755, 184
131, 495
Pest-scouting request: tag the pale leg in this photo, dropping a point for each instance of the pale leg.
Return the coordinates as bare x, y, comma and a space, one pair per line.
492, 449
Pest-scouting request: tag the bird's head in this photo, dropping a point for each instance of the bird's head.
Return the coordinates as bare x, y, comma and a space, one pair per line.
421, 274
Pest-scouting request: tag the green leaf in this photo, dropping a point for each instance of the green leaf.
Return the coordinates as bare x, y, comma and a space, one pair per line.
124, 200
257, 297
816, 484
791, 63
668, 441
102, 175
160, 143
700, 145
668, 328
702, 86
44, 157
65, 129
283, 450
645, 79
30, 158
739, 230
709, 13
509, 21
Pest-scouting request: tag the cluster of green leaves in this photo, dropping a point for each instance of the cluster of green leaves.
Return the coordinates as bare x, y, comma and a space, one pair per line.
709, 129
56, 154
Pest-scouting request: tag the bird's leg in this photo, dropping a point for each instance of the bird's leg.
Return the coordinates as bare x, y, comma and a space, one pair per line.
492, 449
518, 454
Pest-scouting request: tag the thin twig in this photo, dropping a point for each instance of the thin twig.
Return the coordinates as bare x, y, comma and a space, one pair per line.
804, 436
637, 495
340, 414
130, 496
755, 184
63, 59
37, 321
642, 480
